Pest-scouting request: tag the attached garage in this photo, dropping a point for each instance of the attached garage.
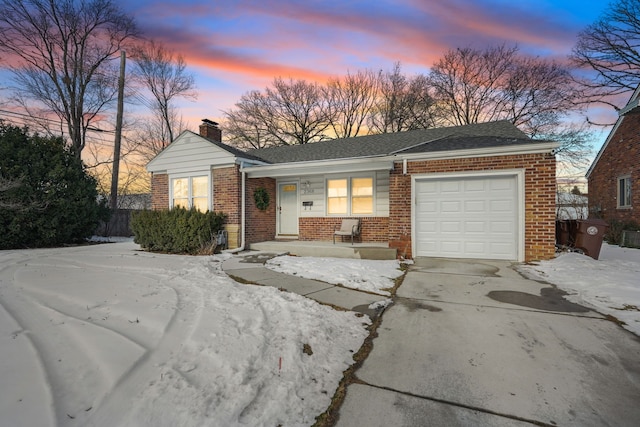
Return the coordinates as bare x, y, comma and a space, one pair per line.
476, 216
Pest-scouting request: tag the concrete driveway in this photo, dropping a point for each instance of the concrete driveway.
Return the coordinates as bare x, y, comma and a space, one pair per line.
473, 343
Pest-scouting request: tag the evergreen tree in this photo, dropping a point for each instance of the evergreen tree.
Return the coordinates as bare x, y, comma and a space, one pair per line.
46, 196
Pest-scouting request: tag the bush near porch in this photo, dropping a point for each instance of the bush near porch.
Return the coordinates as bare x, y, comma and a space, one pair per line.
177, 231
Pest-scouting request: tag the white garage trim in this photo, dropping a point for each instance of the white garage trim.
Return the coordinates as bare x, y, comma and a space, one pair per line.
517, 174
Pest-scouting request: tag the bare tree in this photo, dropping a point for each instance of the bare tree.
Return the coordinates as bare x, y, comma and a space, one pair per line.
290, 112
164, 74
350, 101
499, 83
468, 83
610, 47
60, 55
245, 126
403, 103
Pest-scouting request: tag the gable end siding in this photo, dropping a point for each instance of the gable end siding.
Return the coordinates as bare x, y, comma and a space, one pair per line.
188, 153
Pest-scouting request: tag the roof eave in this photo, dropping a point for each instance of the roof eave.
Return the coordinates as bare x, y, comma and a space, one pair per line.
358, 164
385, 162
527, 148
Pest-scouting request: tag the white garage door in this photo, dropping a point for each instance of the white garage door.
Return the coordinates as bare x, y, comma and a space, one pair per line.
470, 217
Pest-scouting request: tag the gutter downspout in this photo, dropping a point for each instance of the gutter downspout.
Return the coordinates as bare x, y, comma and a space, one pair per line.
242, 214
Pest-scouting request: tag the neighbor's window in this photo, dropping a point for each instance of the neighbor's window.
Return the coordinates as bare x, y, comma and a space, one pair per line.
624, 192
191, 192
350, 196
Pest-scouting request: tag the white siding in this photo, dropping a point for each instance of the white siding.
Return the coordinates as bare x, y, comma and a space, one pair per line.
382, 193
315, 192
190, 152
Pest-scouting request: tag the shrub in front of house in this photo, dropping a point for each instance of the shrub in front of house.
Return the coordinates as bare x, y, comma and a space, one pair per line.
617, 228
177, 231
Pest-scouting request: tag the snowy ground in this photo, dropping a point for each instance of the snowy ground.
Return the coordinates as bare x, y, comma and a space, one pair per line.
611, 285
107, 335
376, 276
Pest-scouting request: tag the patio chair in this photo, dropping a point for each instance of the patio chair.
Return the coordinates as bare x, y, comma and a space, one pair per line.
349, 227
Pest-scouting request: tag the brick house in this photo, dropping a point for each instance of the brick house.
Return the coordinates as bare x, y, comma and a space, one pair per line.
483, 191
614, 175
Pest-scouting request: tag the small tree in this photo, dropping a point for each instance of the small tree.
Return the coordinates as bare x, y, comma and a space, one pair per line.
48, 199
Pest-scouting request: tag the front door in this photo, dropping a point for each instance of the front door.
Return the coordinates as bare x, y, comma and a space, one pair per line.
287, 209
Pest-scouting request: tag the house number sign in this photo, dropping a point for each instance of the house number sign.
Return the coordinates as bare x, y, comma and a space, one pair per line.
592, 230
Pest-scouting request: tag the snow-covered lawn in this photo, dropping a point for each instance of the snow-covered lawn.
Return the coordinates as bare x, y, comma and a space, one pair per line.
376, 276
611, 285
107, 335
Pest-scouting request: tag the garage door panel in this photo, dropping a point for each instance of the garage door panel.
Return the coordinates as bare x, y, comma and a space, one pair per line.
474, 217
428, 207
450, 187
498, 206
474, 185
501, 227
475, 227
450, 207
475, 206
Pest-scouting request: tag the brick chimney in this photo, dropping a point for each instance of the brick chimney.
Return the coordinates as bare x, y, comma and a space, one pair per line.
209, 129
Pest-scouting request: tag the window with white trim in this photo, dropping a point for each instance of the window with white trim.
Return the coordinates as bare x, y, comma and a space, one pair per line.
624, 191
350, 196
191, 191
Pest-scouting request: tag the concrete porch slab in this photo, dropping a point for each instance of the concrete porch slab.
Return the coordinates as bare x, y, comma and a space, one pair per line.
377, 251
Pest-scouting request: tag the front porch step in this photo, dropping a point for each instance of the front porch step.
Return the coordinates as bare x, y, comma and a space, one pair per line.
327, 249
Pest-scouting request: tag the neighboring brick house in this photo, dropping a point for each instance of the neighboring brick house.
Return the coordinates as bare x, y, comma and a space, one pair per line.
483, 191
614, 175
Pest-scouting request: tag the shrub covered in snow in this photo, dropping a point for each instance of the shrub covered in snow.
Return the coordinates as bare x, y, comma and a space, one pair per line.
177, 230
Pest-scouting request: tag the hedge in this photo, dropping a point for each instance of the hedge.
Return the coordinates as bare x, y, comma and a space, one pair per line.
177, 231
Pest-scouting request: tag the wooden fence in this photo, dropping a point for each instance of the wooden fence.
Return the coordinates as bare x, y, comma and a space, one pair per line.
119, 225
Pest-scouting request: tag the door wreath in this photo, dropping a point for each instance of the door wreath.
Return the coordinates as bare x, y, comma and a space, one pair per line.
261, 198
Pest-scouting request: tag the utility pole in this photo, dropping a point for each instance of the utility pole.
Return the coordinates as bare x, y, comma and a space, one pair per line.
116, 146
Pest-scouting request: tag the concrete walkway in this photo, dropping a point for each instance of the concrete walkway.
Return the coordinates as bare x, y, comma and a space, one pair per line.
472, 343
250, 267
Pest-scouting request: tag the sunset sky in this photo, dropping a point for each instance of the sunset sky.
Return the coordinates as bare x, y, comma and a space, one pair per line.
236, 46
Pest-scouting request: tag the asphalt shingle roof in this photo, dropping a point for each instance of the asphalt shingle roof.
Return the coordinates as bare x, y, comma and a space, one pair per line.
479, 135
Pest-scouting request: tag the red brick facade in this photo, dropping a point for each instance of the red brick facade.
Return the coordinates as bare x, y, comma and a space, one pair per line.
261, 224
373, 229
539, 183
621, 157
226, 193
159, 191
540, 186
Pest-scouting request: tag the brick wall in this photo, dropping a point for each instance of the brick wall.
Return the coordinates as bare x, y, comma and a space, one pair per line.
226, 192
621, 157
261, 225
540, 189
159, 191
373, 229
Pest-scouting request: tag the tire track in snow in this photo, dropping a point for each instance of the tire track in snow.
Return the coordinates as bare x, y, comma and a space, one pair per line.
155, 362
26, 316
37, 391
